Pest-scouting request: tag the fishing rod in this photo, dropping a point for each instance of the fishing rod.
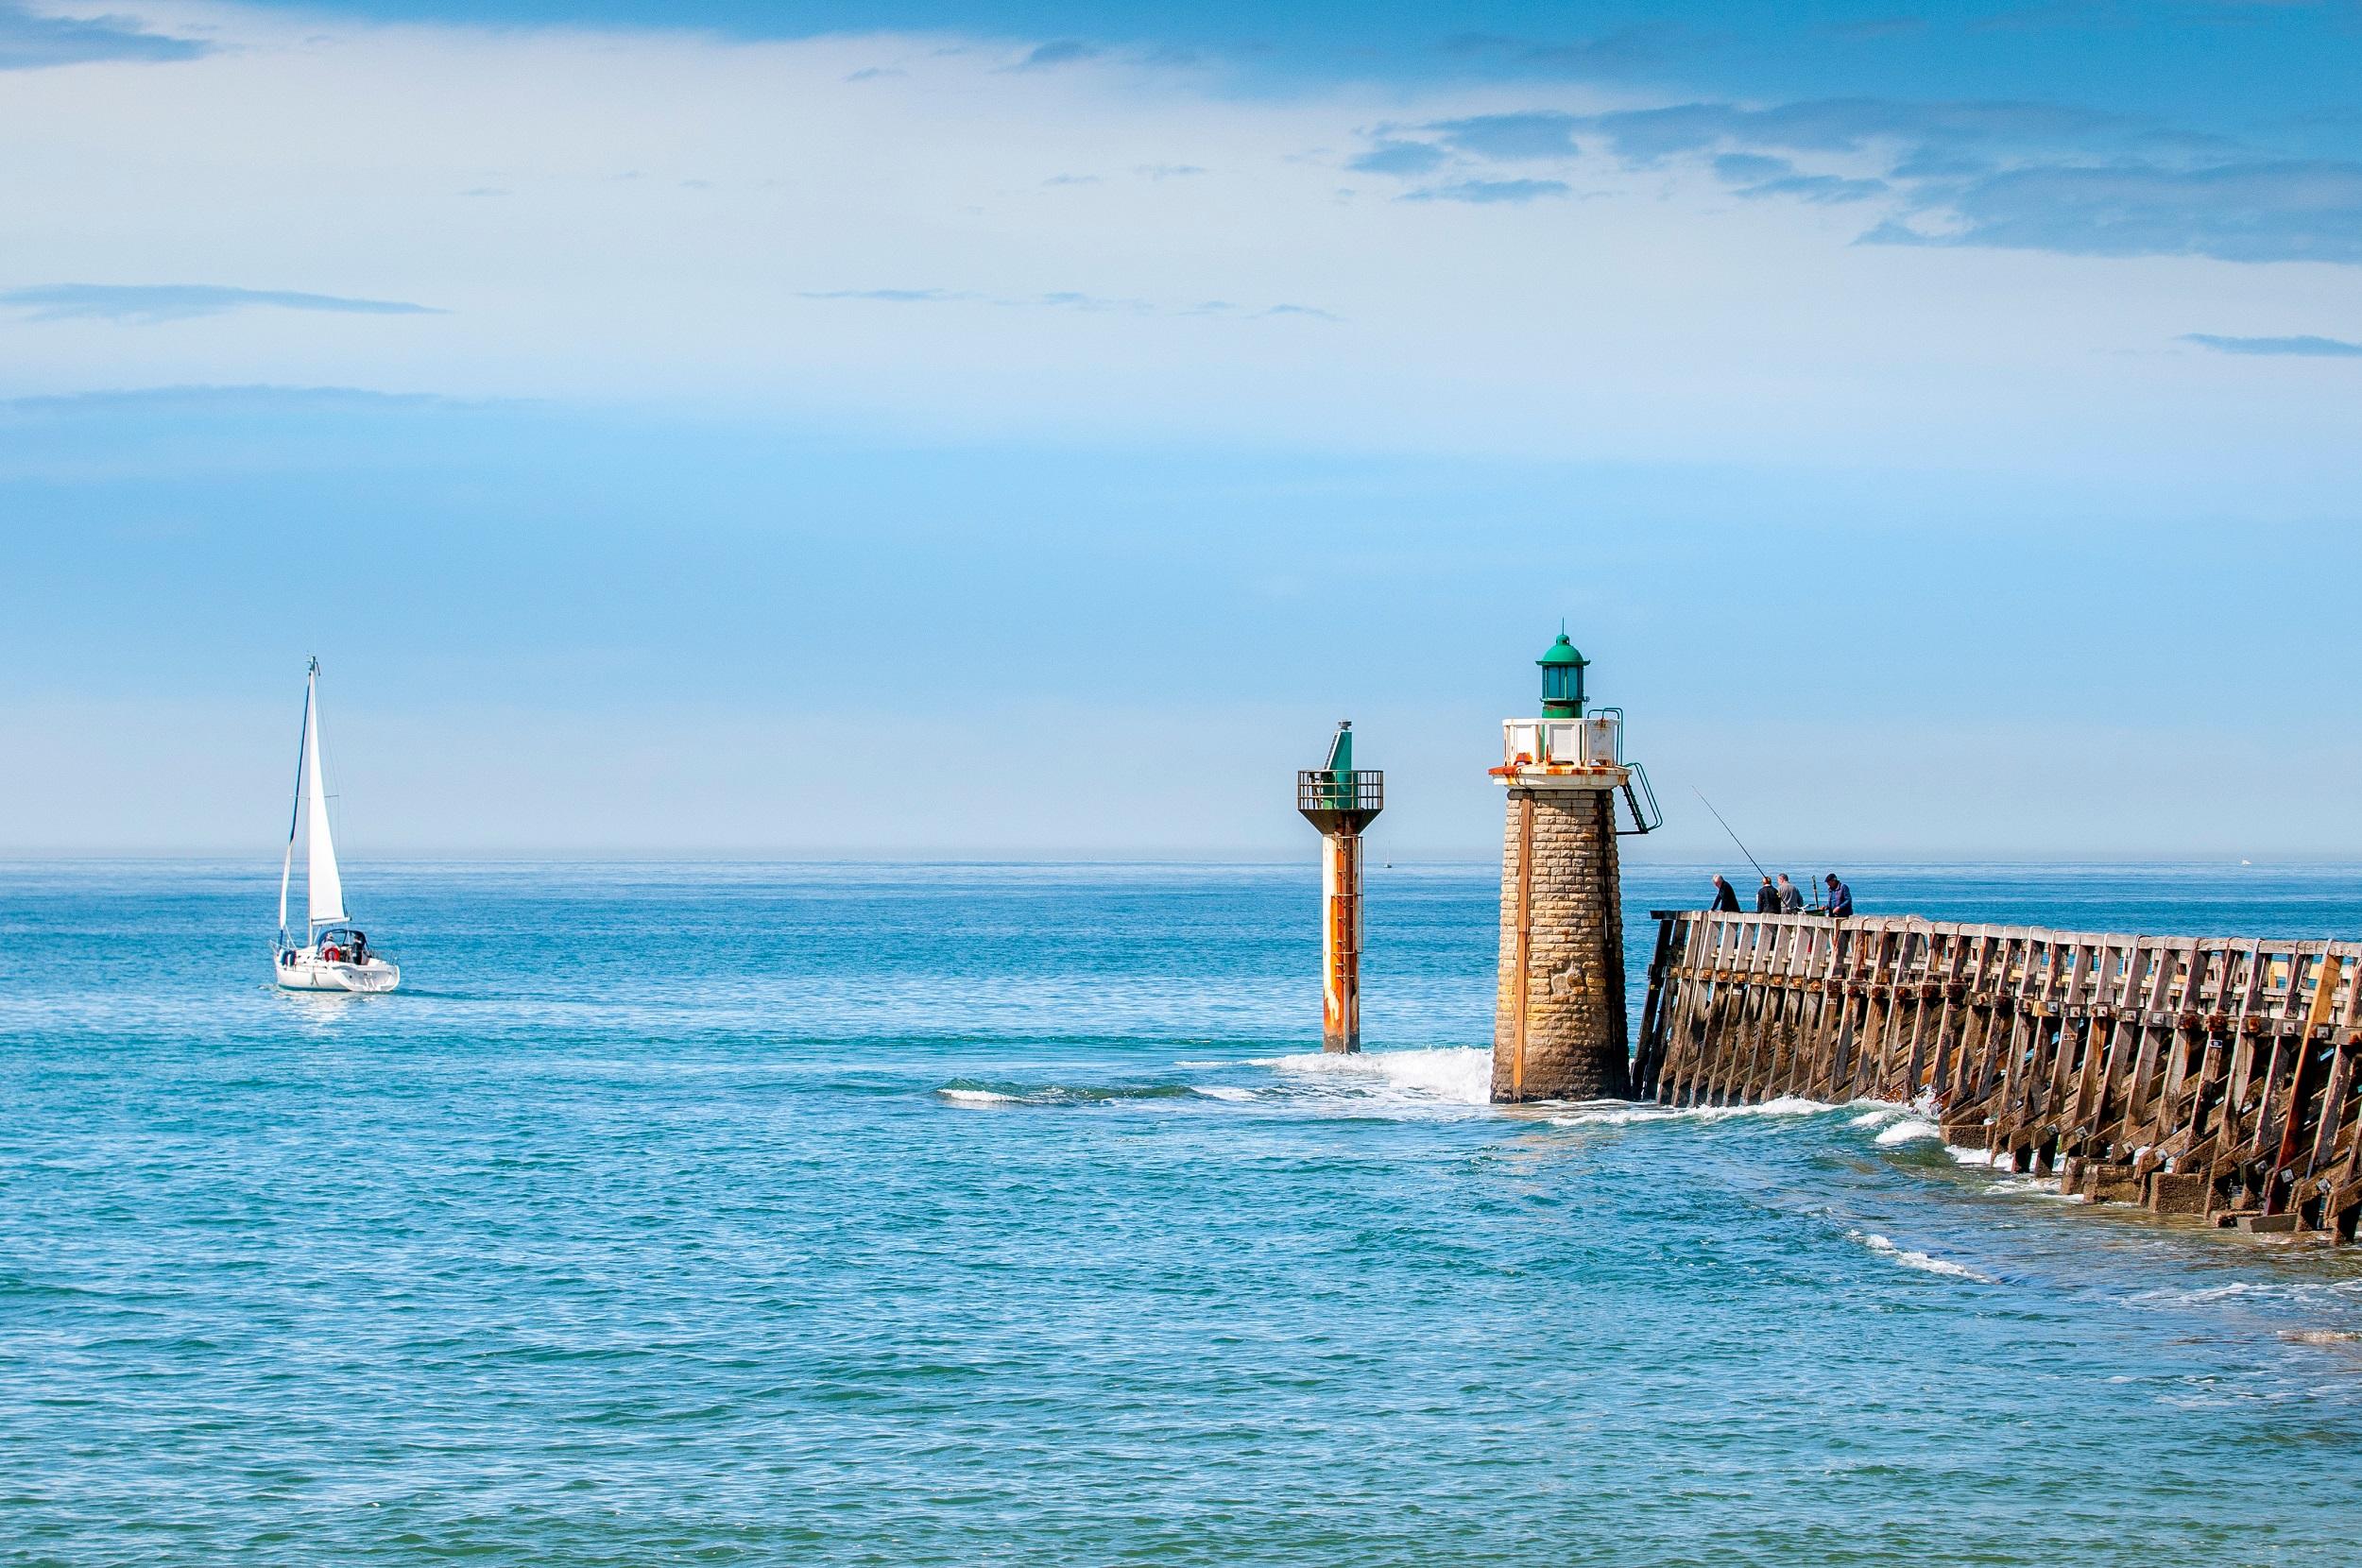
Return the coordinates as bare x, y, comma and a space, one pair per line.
1734, 838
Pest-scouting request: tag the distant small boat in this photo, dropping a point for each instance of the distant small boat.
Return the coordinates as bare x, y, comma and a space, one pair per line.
333, 956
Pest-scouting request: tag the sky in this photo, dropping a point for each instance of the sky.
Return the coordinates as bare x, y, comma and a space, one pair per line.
1013, 430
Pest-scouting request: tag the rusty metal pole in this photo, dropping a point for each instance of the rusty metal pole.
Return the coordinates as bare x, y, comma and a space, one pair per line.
1340, 940
1341, 801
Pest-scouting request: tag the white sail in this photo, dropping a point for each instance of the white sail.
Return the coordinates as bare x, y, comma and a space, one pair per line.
326, 889
294, 809
286, 870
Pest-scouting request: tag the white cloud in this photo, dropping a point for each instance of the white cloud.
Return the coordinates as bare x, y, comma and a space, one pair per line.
676, 207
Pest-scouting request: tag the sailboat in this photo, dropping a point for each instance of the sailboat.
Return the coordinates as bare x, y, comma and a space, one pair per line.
333, 956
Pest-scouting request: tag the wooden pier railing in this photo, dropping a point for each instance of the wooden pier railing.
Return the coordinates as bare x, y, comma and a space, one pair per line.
2198, 1075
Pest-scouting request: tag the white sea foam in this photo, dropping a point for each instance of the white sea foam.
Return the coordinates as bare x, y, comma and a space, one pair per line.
2313, 1295
977, 1096
2044, 1187
1618, 1113
1786, 1105
1225, 1091
1910, 1129
2308, 1290
1455, 1075
2007, 1182
1614, 1114
1921, 1261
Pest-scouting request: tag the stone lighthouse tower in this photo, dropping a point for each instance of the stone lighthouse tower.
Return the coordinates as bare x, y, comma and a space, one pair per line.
1558, 1019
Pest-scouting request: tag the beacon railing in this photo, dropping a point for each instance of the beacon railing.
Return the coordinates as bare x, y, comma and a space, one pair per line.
1324, 790
1647, 817
1593, 742
2208, 1075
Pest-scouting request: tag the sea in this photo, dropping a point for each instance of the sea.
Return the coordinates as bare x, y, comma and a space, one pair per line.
1009, 1214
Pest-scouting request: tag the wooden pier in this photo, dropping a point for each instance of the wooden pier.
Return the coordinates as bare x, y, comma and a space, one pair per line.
2195, 1075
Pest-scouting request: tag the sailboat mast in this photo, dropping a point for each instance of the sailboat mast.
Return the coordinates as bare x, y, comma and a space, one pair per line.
294, 813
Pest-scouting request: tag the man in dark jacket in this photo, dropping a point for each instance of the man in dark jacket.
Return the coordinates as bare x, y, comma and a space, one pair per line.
1725, 897
1767, 898
1840, 898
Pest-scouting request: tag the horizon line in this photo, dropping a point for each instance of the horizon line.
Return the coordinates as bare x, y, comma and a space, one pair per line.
1890, 859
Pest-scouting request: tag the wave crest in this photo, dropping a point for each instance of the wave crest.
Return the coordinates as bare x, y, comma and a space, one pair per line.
968, 1092
1620, 1113
1450, 1075
1925, 1263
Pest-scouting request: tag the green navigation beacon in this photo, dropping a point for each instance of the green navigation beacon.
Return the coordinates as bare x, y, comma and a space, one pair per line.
1562, 679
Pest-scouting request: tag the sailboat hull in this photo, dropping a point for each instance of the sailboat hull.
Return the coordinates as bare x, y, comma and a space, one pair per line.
308, 973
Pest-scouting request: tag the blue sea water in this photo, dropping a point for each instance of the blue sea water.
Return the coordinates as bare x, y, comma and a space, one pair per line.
917, 1215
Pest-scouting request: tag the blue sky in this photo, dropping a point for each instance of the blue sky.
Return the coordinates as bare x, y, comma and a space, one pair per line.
1024, 429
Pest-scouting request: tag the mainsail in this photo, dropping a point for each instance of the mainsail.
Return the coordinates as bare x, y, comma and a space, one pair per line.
326, 889
295, 812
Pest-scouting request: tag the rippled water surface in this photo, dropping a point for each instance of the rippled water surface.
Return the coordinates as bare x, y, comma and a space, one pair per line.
921, 1215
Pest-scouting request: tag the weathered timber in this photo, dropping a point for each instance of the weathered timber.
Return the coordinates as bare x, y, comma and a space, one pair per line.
2212, 1076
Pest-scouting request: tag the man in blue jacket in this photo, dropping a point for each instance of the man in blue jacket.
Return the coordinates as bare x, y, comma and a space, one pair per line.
1840, 898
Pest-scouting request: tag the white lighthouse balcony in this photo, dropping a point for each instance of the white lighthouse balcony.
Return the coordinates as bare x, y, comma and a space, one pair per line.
1573, 753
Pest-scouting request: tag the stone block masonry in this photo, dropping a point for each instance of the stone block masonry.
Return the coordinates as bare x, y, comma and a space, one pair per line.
1559, 1030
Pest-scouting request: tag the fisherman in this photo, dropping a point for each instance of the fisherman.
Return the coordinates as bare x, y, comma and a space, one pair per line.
1767, 898
1791, 896
1725, 897
1840, 898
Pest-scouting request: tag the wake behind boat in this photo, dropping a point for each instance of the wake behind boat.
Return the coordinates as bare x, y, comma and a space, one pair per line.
333, 956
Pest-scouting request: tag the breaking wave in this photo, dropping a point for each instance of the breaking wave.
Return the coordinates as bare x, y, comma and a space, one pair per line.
1908, 1129
2344, 1295
1443, 1075
1925, 1263
977, 1096
1453, 1078
1620, 1113
966, 1092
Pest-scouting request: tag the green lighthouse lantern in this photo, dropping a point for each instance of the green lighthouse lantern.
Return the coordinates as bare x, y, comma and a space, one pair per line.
1562, 679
